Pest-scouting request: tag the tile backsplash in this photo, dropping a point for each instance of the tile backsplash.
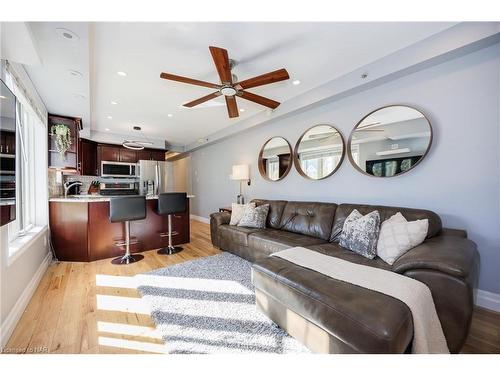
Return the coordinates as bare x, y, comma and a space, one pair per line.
85, 180
56, 182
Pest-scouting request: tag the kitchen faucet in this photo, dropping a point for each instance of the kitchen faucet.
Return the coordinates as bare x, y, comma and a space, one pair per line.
67, 187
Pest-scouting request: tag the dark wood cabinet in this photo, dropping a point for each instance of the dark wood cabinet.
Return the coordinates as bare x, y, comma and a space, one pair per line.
87, 158
127, 155
7, 142
109, 153
82, 232
158, 155
70, 159
144, 155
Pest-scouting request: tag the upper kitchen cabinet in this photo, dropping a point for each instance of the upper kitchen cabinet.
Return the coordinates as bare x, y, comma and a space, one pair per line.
7, 142
87, 158
144, 154
127, 155
109, 153
68, 160
116, 153
158, 155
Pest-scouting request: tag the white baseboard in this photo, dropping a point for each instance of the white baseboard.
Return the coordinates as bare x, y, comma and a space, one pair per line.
205, 220
488, 300
17, 311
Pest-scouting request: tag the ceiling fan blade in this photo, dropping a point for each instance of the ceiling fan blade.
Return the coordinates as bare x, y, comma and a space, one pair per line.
173, 77
264, 79
259, 99
232, 107
202, 99
221, 60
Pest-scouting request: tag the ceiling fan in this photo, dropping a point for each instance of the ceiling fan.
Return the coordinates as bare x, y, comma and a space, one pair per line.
228, 87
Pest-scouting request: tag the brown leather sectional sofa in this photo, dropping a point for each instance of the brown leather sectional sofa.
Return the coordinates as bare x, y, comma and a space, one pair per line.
332, 316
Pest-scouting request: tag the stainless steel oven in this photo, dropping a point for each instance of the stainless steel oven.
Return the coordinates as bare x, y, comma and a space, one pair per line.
119, 188
117, 169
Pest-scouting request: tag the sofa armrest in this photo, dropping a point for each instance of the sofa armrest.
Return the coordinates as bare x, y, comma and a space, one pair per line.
452, 255
217, 219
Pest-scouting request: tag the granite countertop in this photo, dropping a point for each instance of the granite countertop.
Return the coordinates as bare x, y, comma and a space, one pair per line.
95, 198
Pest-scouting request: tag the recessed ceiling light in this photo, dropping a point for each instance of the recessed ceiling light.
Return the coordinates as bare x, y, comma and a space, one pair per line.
296, 82
107, 129
170, 115
122, 74
113, 102
110, 117
67, 34
242, 109
75, 73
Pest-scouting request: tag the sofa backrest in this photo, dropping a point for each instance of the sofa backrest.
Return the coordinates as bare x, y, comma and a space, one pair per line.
275, 211
309, 218
385, 212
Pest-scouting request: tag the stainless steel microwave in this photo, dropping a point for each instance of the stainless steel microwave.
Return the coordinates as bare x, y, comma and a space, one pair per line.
117, 169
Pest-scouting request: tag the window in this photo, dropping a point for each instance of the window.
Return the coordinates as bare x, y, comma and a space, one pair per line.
273, 168
319, 163
30, 171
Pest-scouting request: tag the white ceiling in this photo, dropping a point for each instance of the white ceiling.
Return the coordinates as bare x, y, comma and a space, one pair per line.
313, 53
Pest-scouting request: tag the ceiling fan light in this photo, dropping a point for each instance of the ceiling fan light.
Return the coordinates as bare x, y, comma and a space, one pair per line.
228, 91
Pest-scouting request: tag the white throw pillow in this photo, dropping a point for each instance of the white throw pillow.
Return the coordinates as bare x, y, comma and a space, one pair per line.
397, 236
237, 211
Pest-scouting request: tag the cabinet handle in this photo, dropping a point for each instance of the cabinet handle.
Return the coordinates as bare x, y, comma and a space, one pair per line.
1, 148
79, 165
7, 148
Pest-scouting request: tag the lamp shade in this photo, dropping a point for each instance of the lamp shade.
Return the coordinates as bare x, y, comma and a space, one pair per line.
240, 172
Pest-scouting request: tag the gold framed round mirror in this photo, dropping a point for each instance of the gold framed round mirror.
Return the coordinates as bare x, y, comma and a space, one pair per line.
390, 141
319, 152
275, 159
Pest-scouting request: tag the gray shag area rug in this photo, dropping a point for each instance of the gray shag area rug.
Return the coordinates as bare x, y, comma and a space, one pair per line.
207, 305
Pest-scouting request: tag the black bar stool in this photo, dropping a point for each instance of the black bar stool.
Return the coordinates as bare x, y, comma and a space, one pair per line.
127, 209
171, 204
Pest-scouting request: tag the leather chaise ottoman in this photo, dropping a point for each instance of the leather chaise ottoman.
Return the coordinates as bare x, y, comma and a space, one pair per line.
331, 316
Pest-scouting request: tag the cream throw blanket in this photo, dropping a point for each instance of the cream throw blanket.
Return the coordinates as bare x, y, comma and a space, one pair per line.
428, 337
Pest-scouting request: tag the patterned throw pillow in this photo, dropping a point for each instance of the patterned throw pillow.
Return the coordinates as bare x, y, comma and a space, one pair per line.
254, 217
360, 233
397, 236
237, 211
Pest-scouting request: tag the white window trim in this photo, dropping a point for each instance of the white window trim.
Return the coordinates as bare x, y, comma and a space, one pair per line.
21, 243
24, 239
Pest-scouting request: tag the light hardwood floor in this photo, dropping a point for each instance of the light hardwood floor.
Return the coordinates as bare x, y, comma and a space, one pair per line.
93, 308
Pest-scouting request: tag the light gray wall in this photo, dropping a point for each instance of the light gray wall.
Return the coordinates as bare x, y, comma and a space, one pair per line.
459, 178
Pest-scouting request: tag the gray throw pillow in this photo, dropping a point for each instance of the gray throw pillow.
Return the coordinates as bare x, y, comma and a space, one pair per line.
360, 233
254, 217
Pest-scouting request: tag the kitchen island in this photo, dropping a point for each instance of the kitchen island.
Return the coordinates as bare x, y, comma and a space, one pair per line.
81, 231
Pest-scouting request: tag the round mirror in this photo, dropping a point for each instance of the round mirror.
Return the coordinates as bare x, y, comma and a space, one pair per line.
390, 141
275, 159
319, 152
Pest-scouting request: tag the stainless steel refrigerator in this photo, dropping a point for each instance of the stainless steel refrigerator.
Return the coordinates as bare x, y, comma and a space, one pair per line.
159, 173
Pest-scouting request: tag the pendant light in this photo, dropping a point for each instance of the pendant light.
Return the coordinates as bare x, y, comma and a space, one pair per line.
137, 145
